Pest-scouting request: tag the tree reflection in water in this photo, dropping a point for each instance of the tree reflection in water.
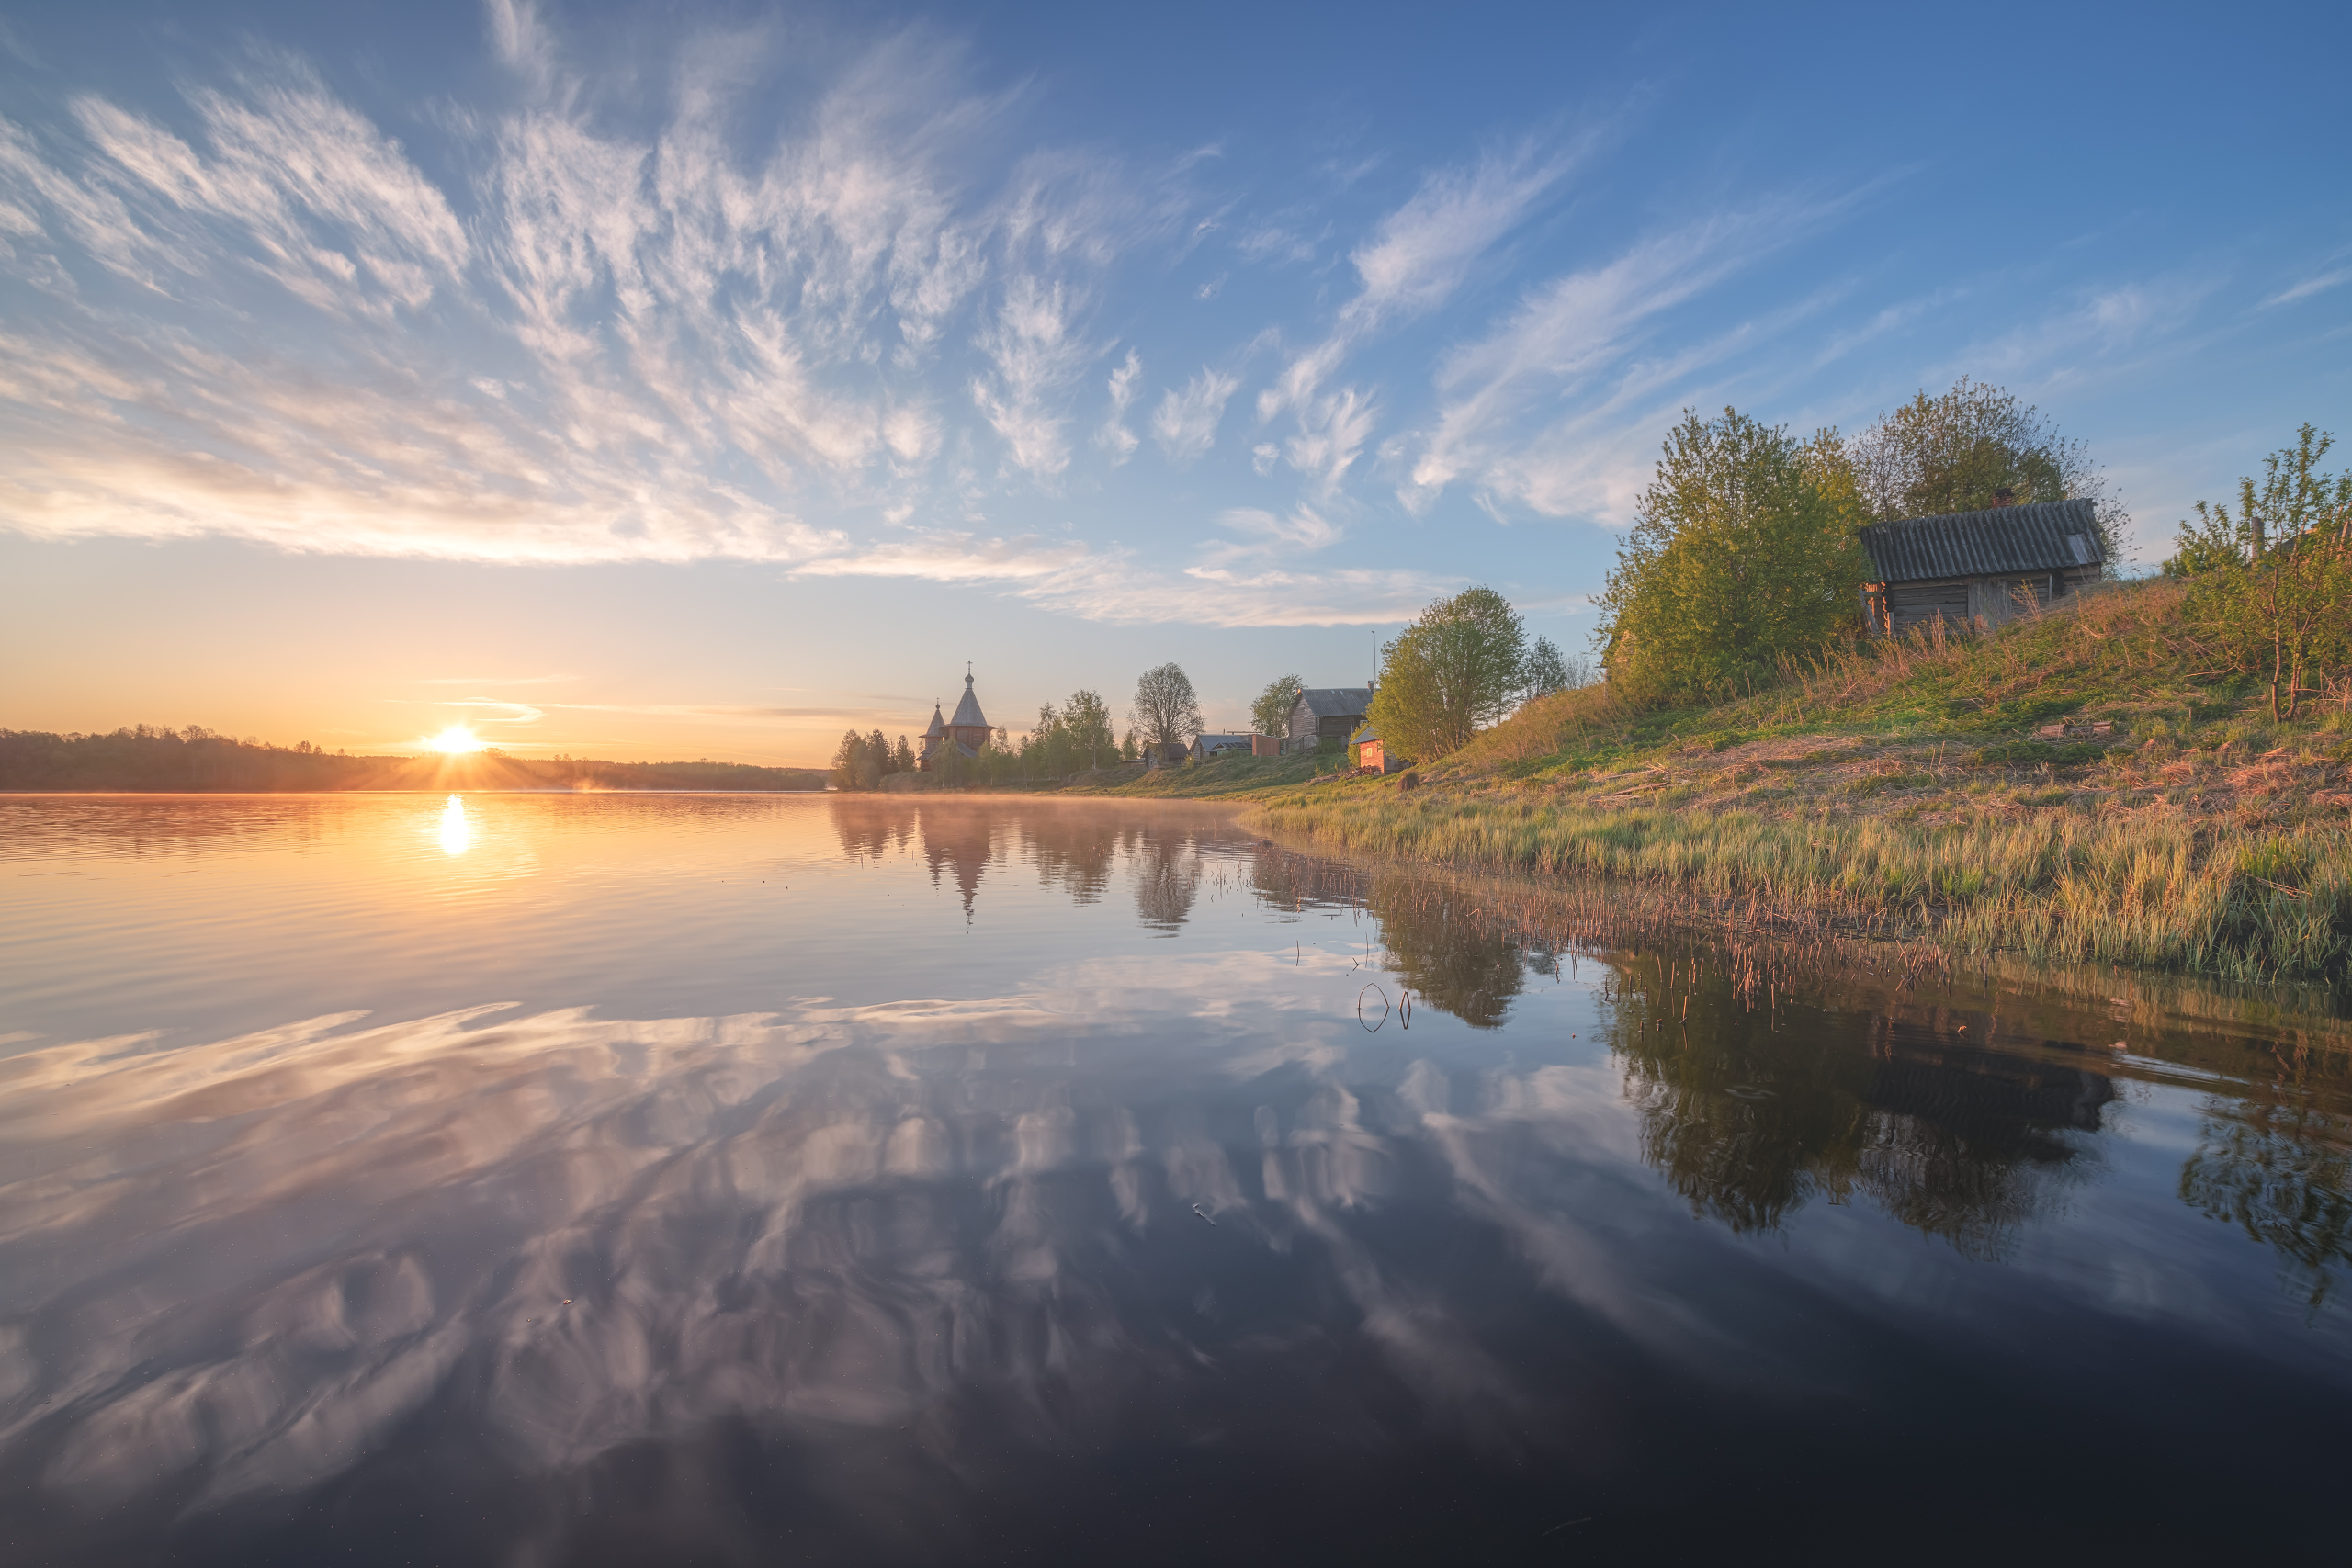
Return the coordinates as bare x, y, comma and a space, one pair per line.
1749, 1121
1167, 878
1076, 850
1750, 1113
1749, 1110
2276, 1161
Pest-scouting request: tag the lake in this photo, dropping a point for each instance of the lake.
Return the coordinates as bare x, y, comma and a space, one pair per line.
539, 1180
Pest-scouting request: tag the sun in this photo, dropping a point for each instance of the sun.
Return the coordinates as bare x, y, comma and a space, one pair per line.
454, 741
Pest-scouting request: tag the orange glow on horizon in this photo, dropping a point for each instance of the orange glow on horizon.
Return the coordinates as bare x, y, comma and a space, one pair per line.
456, 741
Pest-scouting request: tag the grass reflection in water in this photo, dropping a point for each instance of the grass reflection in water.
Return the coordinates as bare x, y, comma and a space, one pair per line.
1022, 1175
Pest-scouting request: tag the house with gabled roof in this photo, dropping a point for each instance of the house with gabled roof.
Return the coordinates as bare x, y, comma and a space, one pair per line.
1325, 713
1206, 745
1979, 568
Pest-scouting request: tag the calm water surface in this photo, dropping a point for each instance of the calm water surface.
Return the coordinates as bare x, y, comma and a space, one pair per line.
630, 1179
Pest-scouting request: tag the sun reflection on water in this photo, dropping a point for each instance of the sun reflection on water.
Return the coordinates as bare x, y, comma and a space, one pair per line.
456, 833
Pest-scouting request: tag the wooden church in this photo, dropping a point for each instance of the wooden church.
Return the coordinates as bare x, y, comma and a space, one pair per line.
968, 731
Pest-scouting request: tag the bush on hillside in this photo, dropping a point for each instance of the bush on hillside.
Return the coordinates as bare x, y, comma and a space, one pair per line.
1459, 667
2270, 584
1742, 555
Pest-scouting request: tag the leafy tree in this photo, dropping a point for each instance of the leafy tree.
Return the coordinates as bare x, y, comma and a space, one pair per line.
902, 759
1547, 672
1270, 715
2271, 583
1973, 447
1742, 552
1129, 751
1166, 710
856, 765
878, 749
1461, 665
1086, 721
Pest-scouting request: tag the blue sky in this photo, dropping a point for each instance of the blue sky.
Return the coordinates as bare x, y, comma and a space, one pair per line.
702, 379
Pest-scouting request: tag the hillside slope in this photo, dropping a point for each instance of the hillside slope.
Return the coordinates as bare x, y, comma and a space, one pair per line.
1909, 790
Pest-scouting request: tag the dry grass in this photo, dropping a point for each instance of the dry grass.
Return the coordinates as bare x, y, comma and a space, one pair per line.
2244, 903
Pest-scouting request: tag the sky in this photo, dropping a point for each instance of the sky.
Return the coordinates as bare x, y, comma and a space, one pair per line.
701, 380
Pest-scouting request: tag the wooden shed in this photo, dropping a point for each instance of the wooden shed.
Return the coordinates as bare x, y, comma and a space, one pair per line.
1372, 751
1978, 569
1325, 713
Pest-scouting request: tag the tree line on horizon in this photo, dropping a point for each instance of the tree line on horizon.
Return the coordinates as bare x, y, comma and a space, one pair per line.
1073, 736
153, 759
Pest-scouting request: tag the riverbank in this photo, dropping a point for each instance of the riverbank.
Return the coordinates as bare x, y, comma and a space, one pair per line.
1917, 793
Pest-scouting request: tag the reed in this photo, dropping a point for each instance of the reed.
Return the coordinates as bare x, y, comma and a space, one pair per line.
2252, 904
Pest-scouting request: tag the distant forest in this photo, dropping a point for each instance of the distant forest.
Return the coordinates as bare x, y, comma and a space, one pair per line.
146, 758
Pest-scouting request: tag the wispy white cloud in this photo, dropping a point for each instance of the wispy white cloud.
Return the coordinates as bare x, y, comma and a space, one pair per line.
1414, 260
1114, 436
1264, 534
2099, 334
1421, 251
495, 712
2317, 284
1114, 586
327, 205
1185, 423
1575, 343
635, 347
521, 41
1035, 351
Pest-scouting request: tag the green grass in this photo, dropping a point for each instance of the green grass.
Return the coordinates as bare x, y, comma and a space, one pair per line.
2123, 656
1902, 788
2245, 907
1224, 777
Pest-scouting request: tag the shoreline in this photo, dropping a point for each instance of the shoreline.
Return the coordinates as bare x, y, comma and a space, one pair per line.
2265, 904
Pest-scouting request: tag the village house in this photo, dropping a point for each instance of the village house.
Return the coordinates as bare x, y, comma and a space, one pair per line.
1373, 752
1974, 569
1325, 713
1204, 747
968, 731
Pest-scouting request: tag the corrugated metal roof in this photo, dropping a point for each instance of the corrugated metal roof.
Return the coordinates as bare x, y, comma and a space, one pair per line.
2050, 535
1210, 742
1336, 702
968, 710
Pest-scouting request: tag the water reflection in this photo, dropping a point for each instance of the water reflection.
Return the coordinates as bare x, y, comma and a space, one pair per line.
2277, 1160
456, 834
1748, 1117
1075, 851
1111, 1235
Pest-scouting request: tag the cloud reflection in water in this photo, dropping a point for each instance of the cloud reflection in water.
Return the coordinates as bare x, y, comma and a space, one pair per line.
1168, 1198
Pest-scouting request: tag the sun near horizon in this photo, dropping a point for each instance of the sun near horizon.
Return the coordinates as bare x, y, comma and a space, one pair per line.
456, 741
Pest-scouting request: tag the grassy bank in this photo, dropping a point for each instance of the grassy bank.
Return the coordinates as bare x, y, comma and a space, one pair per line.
1907, 791
2238, 903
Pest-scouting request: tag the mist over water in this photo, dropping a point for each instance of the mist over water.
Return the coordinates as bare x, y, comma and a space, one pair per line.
539, 1180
